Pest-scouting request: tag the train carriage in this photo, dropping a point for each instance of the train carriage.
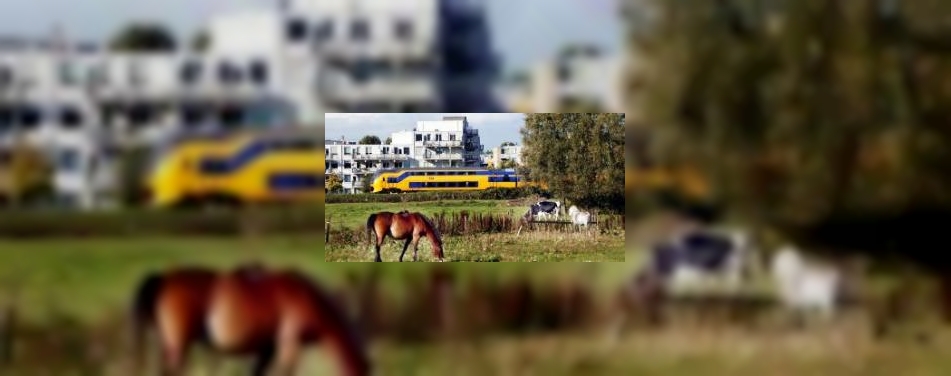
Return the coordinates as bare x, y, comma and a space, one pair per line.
445, 179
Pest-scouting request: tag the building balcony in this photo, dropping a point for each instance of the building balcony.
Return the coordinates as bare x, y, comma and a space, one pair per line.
444, 156
368, 157
441, 143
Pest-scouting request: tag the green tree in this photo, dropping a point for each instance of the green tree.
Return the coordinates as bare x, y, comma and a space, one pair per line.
579, 156
29, 174
143, 37
370, 140
133, 166
201, 41
508, 163
368, 183
508, 143
333, 183
804, 113
389, 140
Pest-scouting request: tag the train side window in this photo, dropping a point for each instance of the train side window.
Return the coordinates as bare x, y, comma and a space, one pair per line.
391, 180
472, 184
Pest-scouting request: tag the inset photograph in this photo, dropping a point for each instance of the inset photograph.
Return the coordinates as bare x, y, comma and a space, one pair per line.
495, 187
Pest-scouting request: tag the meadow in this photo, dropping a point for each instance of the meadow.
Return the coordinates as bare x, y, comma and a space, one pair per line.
82, 286
349, 241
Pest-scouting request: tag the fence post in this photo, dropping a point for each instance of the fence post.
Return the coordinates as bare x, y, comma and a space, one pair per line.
327, 232
7, 333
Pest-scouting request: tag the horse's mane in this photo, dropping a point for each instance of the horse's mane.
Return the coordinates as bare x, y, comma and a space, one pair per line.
438, 237
336, 320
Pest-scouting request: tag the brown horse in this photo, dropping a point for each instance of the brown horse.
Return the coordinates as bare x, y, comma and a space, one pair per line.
250, 310
404, 225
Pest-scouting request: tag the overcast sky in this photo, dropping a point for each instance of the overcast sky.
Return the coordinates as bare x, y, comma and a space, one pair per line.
493, 128
524, 31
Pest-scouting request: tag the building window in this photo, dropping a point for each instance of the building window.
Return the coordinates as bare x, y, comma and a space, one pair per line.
296, 30
70, 117
67, 160
564, 73
98, 76
67, 74
360, 30
190, 72
6, 76
30, 117
347, 165
140, 114
228, 73
231, 116
192, 115
324, 31
404, 30
419, 137
406, 150
258, 72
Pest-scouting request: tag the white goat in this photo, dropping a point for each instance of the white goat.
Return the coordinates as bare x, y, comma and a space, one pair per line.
803, 287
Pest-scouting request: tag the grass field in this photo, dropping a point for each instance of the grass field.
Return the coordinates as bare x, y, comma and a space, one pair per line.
355, 214
528, 246
91, 279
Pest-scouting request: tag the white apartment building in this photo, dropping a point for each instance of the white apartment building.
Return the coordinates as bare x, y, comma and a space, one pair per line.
450, 142
583, 74
263, 68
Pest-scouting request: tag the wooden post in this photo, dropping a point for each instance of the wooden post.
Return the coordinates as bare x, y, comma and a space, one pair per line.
327, 232
7, 333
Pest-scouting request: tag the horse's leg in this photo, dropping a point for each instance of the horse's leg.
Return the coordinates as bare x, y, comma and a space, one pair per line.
405, 247
173, 359
263, 361
379, 242
288, 355
416, 247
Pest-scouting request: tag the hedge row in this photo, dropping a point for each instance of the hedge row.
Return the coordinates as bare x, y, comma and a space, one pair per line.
44, 224
488, 194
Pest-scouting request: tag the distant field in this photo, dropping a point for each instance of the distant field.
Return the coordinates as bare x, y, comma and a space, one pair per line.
355, 214
528, 246
544, 246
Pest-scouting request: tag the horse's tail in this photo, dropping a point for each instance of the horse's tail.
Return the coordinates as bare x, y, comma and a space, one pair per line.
143, 313
371, 222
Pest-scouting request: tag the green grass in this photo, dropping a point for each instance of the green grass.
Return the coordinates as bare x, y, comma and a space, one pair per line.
529, 246
92, 277
355, 214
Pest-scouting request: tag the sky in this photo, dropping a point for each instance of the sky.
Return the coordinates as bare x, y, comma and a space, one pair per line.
524, 31
493, 128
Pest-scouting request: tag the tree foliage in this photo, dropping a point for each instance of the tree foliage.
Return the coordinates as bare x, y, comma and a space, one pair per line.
370, 140
201, 41
134, 162
28, 175
367, 183
333, 183
802, 113
579, 156
144, 37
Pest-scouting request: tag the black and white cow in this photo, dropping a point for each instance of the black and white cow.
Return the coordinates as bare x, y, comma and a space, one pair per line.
693, 257
543, 209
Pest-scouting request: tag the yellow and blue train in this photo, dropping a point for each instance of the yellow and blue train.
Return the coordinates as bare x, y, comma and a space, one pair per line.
445, 179
239, 168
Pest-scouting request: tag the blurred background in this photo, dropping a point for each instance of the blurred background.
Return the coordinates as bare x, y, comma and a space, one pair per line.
817, 123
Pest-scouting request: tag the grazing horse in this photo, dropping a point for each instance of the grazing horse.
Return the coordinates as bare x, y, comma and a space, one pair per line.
250, 310
806, 287
404, 225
